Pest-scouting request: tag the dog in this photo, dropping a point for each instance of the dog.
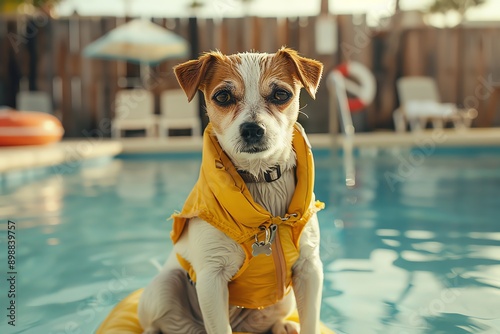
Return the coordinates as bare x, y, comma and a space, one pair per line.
246, 244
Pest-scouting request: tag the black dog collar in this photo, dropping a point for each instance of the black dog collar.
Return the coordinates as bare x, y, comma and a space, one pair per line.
270, 175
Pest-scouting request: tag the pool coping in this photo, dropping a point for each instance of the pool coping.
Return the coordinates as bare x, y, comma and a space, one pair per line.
437, 137
381, 139
64, 153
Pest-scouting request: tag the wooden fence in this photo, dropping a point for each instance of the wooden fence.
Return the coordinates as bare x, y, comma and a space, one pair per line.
464, 62
45, 54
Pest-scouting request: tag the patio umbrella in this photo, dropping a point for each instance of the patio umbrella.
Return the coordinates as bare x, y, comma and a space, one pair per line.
138, 41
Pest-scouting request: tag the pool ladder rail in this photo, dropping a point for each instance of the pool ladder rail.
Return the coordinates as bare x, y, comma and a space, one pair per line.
336, 84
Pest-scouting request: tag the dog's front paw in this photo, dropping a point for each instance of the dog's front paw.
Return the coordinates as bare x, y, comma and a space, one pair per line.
286, 327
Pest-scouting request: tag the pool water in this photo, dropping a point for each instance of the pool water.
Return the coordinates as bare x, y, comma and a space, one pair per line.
414, 248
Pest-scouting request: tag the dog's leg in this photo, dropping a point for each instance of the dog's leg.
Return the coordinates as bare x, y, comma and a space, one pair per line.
215, 258
268, 320
213, 297
308, 279
285, 327
169, 303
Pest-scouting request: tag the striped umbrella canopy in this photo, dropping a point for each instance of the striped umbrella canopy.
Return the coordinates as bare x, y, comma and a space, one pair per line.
138, 41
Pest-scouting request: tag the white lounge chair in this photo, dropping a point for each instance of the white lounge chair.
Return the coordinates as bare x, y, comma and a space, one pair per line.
34, 101
178, 113
134, 110
421, 103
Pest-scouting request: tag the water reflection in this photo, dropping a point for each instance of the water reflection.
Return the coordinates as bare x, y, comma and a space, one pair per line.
137, 181
37, 203
411, 271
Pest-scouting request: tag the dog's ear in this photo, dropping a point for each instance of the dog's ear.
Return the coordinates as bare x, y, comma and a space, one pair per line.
190, 74
309, 71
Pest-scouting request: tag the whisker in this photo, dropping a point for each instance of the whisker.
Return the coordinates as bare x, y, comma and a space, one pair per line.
300, 111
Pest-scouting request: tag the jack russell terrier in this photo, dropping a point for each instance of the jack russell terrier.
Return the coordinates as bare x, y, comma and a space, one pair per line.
248, 233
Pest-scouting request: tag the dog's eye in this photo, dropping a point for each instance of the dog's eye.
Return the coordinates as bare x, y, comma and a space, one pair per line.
223, 98
280, 96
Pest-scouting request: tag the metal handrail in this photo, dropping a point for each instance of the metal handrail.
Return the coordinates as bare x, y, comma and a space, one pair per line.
338, 97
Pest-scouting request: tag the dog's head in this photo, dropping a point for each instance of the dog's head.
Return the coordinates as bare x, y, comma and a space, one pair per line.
252, 99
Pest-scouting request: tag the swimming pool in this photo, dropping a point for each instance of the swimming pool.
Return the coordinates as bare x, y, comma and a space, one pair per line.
414, 248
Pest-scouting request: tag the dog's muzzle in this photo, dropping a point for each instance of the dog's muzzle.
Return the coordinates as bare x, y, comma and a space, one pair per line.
252, 133
253, 138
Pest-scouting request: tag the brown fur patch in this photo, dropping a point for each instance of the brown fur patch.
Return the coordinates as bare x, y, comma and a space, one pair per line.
223, 74
308, 71
279, 73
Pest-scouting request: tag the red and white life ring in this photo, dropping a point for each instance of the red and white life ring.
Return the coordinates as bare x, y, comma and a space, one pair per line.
28, 128
363, 89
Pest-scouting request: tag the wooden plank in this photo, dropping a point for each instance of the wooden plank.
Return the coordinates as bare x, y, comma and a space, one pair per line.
428, 40
89, 31
292, 26
21, 51
109, 78
346, 33
182, 27
304, 36
257, 34
239, 32
471, 68
452, 63
366, 34
97, 93
493, 76
49, 54
413, 55
205, 34
478, 92
446, 63
234, 36
222, 36
359, 36
247, 33
55, 79
484, 91
282, 32
268, 40
75, 71
5, 49
63, 70
41, 59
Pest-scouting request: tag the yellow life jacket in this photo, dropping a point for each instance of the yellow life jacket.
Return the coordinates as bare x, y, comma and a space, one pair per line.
221, 198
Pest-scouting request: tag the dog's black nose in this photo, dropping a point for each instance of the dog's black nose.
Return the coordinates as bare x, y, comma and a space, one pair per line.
252, 133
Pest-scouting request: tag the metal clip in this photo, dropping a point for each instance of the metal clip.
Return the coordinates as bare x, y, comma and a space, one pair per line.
264, 247
273, 228
284, 219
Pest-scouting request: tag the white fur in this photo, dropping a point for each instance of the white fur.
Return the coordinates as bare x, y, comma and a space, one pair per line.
171, 306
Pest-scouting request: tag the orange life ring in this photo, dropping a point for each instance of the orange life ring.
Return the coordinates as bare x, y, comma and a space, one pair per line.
28, 128
364, 92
